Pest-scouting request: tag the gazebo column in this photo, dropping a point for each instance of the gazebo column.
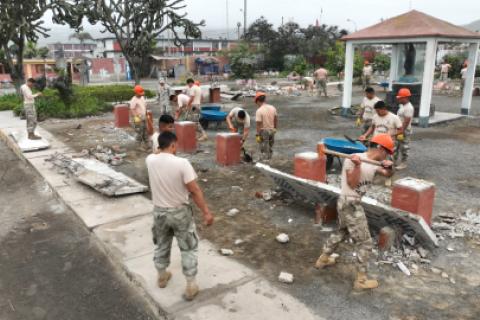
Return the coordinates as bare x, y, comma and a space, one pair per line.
348, 79
393, 65
468, 88
427, 84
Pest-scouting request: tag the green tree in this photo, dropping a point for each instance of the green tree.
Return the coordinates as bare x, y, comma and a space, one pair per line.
317, 40
137, 23
382, 62
335, 60
21, 21
243, 61
456, 61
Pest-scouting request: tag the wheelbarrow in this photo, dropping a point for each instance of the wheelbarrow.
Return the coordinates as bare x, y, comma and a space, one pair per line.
210, 114
342, 146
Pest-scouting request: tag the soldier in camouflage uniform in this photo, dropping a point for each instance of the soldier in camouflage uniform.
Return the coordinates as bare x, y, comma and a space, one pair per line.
356, 178
29, 108
138, 110
172, 181
267, 119
163, 92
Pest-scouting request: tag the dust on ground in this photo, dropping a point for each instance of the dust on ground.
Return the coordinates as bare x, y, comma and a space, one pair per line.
444, 154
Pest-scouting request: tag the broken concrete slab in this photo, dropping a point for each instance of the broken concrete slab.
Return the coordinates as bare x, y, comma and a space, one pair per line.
256, 299
215, 275
54, 178
378, 214
98, 175
102, 210
27, 145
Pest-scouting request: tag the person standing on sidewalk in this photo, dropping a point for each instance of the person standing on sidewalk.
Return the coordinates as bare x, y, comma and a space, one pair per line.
444, 69
405, 113
193, 110
367, 73
266, 119
355, 179
172, 181
321, 77
138, 110
29, 108
163, 93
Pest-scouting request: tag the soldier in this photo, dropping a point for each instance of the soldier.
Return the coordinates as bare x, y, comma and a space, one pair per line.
356, 177
405, 113
163, 92
266, 118
193, 110
238, 120
172, 181
138, 109
29, 108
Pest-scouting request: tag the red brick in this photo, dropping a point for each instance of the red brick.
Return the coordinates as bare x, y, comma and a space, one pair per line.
215, 95
326, 213
309, 165
122, 115
228, 148
186, 132
386, 238
415, 196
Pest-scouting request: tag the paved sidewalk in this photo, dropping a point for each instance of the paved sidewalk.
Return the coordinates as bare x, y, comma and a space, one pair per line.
230, 290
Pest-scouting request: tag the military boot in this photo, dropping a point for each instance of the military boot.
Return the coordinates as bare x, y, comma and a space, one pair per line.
325, 260
362, 282
191, 291
33, 136
163, 278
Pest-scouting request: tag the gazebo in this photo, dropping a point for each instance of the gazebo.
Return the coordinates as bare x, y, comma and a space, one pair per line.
414, 37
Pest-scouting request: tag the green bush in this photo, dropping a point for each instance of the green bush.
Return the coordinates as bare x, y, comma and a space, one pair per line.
10, 102
110, 93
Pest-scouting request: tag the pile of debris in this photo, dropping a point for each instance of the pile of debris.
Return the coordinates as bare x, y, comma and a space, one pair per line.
379, 192
113, 156
468, 224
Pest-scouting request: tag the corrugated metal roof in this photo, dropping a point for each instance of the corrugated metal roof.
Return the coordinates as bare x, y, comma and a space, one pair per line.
413, 24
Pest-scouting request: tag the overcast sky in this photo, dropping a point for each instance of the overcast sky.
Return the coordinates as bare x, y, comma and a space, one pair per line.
363, 13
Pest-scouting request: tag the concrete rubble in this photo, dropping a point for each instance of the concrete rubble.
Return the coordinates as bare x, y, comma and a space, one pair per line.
226, 252
467, 224
282, 238
285, 277
97, 175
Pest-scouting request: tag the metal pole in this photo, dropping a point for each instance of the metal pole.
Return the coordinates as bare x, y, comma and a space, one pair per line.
228, 33
244, 17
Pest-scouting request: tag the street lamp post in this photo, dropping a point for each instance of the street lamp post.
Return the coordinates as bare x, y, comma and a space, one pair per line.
354, 23
238, 30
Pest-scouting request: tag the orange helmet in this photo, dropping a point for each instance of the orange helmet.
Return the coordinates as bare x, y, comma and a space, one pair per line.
404, 93
385, 141
197, 83
366, 62
139, 90
259, 94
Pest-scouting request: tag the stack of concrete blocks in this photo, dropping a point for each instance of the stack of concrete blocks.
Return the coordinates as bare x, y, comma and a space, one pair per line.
186, 132
122, 115
228, 148
415, 196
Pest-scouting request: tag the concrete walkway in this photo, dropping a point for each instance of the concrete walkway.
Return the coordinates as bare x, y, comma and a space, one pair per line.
230, 290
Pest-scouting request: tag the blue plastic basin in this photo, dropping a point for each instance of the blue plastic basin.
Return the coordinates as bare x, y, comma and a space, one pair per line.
344, 146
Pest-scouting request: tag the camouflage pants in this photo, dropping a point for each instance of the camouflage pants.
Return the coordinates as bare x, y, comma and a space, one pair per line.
194, 116
366, 125
352, 222
31, 115
141, 131
322, 86
266, 144
178, 223
366, 81
403, 147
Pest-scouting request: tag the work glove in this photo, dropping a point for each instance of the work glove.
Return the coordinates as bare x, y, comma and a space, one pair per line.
258, 138
274, 130
401, 137
137, 119
233, 130
359, 121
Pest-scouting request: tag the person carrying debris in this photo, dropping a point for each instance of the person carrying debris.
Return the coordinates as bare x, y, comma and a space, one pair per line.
405, 113
172, 181
383, 122
29, 108
165, 123
193, 110
356, 176
163, 93
182, 101
138, 110
321, 77
238, 120
266, 119
367, 109
367, 73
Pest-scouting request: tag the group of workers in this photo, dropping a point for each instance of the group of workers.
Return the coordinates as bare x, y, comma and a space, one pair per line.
445, 70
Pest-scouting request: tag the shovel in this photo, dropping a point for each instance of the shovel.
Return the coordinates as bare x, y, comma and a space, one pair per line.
246, 156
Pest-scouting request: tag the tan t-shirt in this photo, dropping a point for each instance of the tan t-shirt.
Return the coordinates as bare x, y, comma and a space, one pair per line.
196, 93
138, 106
445, 67
366, 177
266, 115
369, 107
28, 96
168, 175
234, 115
367, 71
406, 111
321, 74
183, 100
386, 124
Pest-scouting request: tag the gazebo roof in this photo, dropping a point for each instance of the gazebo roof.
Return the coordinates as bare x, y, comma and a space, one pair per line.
413, 24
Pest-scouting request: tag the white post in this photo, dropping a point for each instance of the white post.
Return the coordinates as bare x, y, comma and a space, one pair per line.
427, 85
348, 79
470, 78
393, 65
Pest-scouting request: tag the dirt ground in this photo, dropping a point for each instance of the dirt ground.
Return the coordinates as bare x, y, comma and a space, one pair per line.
445, 154
50, 265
